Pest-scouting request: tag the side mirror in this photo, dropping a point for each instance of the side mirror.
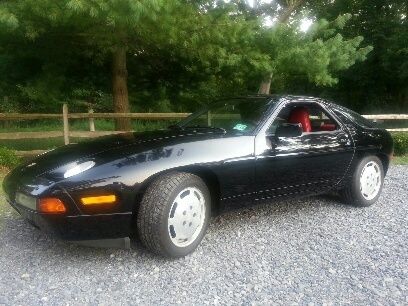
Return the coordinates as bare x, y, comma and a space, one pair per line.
289, 130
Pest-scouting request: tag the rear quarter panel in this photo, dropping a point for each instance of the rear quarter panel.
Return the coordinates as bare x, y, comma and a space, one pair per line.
369, 141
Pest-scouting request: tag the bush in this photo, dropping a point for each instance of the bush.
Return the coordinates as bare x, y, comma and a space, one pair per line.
400, 143
8, 158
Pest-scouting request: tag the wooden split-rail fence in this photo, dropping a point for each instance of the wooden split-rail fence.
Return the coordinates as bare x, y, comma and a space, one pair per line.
91, 116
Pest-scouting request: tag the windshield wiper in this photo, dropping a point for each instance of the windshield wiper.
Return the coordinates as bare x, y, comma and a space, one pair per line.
206, 128
201, 127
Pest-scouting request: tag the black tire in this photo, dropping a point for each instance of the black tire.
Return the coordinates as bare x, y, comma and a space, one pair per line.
352, 194
154, 210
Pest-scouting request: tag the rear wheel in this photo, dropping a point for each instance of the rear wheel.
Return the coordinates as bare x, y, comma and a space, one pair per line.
366, 184
174, 214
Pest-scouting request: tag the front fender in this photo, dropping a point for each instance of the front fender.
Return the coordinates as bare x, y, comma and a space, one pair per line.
129, 175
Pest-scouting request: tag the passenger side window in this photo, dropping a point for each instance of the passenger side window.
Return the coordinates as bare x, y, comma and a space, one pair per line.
312, 117
321, 121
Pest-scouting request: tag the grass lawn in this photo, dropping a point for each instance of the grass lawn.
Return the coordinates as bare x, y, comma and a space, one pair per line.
3, 172
80, 125
35, 144
3, 203
75, 125
400, 160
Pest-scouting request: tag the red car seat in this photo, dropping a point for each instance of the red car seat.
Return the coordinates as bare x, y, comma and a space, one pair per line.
301, 115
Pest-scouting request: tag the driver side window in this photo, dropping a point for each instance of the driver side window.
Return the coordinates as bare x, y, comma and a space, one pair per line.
311, 117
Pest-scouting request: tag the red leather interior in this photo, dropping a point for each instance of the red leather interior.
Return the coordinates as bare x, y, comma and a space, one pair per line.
301, 115
327, 127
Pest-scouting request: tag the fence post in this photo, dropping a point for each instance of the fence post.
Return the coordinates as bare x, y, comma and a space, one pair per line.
6, 123
209, 118
65, 122
91, 120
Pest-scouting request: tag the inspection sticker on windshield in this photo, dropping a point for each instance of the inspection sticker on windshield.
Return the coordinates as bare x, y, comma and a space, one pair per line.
240, 127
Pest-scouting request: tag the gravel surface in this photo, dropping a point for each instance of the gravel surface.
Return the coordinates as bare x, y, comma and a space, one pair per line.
308, 251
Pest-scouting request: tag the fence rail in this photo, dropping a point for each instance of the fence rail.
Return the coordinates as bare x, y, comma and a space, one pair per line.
145, 116
387, 117
66, 133
142, 116
54, 134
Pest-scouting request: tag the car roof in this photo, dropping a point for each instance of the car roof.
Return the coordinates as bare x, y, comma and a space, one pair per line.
292, 98
281, 96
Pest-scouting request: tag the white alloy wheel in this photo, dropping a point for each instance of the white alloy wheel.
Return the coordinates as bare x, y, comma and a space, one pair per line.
370, 180
186, 217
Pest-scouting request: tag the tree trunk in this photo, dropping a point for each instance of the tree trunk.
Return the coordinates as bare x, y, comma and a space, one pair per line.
6, 123
265, 86
120, 90
291, 6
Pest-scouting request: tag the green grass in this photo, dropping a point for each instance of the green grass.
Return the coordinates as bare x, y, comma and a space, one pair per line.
35, 144
3, 172
400, 160
8, 158
75, 125
3, 204
46, 125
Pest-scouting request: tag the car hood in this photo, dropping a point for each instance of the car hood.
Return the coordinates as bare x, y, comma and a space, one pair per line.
104, 149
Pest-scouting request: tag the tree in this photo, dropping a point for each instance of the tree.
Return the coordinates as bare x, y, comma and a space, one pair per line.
319, 54
205, 44
178, 53
104, 29
381, 82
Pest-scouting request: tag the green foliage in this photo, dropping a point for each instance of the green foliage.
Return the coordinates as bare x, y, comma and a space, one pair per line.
318, 54
180, 53
380, 82
400, 143
8, 158
7, 19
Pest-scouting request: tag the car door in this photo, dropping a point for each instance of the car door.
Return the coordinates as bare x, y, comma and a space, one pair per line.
310, 163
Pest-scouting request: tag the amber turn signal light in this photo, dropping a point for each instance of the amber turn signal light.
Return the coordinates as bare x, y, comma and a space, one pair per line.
51, 205
105, 199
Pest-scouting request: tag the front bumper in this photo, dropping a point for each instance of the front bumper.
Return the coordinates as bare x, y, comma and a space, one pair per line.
79, 227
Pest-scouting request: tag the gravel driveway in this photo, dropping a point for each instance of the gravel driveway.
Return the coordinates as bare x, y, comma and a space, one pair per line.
308, 251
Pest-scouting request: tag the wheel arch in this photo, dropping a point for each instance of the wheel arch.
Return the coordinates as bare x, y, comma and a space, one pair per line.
384, 158
206, 174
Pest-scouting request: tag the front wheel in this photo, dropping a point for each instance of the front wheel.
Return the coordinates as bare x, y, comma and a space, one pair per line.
366, 184
174, 214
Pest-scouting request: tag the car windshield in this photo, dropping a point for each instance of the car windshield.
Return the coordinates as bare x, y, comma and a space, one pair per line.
238, 116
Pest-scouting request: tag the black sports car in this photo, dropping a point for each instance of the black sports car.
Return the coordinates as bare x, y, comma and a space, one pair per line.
165, 183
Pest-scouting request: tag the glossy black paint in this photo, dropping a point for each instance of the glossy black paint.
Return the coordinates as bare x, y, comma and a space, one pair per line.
238, 168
